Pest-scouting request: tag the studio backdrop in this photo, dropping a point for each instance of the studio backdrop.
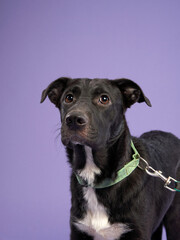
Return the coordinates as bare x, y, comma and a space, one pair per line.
42, 40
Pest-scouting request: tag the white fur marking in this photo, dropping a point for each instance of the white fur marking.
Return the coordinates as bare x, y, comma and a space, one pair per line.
90, 169
96, 223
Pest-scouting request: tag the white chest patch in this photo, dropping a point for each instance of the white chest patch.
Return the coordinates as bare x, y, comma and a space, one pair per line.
95, 223
90, 169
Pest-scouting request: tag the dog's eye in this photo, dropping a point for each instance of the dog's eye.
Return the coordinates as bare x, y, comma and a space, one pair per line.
69, 98
104, 99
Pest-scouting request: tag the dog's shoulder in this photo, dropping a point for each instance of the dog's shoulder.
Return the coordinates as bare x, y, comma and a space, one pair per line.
160, 141
159, 135
160, 149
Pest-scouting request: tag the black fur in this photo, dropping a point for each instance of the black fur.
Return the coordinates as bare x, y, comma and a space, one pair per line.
140, 200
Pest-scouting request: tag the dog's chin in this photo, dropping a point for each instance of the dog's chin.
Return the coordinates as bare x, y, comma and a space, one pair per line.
69, 141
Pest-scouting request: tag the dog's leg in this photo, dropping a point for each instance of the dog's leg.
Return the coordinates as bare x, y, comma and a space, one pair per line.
172, 219
158, 233
77, 235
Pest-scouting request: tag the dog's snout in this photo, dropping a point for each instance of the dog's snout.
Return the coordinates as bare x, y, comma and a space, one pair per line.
76, 120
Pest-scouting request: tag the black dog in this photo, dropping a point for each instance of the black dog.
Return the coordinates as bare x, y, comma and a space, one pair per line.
98, 143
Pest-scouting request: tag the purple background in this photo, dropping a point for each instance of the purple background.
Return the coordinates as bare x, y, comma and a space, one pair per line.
42, 40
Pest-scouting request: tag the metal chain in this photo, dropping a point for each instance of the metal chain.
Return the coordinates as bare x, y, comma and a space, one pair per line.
155, 173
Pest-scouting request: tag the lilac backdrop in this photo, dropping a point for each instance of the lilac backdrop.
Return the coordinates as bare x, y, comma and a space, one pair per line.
42, 40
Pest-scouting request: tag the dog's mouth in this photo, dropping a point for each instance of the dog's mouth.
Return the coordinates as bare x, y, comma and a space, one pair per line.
82, 137
73, 139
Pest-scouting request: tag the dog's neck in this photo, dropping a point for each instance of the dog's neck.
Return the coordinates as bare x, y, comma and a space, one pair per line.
95, 165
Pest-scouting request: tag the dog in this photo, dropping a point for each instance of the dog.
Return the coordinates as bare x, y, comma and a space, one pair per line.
99, 144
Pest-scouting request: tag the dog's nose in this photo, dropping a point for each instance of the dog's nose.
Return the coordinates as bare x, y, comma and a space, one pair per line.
76, 120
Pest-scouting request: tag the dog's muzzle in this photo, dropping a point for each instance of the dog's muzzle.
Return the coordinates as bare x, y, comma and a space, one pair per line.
76, 120
77, 128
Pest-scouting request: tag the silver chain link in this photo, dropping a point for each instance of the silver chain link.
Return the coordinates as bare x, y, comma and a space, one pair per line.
156, 173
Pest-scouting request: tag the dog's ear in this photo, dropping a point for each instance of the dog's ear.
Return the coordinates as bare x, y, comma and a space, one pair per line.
55, 90
131, 92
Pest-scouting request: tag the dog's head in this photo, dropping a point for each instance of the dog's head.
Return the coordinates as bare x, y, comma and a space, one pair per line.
92, 110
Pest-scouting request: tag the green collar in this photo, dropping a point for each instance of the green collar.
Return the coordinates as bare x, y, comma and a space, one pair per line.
121, 174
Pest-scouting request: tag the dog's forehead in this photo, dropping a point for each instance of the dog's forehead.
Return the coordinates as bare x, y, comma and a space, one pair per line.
103, 83
91, 85
99, 86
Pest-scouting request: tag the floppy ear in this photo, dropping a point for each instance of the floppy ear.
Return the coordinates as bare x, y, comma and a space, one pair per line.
131, 92
54, 90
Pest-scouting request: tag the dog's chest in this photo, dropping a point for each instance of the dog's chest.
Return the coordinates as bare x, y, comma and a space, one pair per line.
96, 222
